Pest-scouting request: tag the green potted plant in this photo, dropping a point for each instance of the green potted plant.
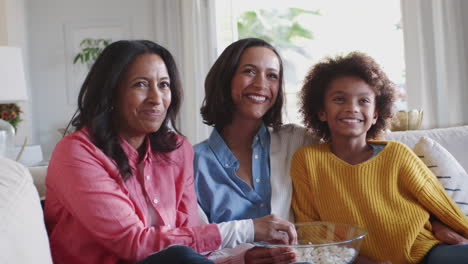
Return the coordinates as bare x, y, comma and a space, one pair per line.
89, 50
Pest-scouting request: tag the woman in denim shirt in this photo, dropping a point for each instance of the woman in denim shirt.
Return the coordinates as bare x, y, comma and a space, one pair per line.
244, 99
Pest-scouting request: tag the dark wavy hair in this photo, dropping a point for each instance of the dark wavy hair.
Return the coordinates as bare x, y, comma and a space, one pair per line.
98, 96
217, 107
356, 64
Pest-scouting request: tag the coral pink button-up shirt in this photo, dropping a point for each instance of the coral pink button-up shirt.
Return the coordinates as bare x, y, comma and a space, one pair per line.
93, 216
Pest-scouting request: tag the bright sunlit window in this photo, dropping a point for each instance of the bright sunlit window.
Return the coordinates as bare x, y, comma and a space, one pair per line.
306, 31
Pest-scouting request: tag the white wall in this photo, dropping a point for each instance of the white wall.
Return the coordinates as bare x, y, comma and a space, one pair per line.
3, 25
50, 25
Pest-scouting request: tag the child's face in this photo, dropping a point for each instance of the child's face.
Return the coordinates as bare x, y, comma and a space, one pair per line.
349, 108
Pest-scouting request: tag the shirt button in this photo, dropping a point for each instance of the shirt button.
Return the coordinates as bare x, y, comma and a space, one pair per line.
226, 165
261, 205
155, 201
256, 156
169, 226
147, 177
256, 137
257, 180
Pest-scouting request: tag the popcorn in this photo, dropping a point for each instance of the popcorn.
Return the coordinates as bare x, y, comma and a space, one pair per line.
325, 255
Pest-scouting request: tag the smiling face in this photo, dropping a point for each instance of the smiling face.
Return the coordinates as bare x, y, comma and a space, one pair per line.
144, 95
255, 84
349, 108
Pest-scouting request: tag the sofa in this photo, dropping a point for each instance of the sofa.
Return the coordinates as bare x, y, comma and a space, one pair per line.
23, 237
30, 219
453, 139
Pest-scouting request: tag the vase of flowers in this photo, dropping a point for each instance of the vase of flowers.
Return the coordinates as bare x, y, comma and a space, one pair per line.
11, 114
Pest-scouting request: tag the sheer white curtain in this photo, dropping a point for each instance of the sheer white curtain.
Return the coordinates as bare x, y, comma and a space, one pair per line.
187, 29
436, 60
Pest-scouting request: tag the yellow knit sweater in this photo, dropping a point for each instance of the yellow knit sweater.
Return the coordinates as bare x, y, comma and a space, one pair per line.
392, 195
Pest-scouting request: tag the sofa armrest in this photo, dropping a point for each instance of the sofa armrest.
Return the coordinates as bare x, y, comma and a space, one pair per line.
39, 174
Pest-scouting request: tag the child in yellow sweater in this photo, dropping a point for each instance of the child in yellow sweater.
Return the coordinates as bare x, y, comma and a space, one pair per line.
380, 185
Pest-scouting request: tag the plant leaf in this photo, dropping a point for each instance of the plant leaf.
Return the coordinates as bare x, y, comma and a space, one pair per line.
90, 50
77, 57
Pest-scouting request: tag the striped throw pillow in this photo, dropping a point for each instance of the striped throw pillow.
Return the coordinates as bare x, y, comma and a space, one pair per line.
447, 169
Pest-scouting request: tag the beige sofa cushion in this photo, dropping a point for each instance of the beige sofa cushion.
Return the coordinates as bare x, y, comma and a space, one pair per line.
39, 174
23, 237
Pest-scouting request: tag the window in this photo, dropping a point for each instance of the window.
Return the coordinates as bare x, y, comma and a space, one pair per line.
316, 29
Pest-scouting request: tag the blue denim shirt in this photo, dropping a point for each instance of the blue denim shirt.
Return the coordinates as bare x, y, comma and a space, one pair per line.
221, 193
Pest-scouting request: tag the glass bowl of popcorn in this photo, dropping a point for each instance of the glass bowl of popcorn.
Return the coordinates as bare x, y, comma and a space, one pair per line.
325, 242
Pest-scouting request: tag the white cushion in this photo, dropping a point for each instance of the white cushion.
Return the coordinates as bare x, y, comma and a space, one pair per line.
449, 172
23, 237
453, 139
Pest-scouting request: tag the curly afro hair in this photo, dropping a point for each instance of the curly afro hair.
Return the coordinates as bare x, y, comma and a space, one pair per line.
355, 64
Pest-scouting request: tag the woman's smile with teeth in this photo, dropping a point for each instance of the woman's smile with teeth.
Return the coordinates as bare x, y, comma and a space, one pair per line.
257, 98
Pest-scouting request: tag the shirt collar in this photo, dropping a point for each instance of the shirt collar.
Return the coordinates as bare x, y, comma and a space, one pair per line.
262, 136
221, 150
132, 153
224, 154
